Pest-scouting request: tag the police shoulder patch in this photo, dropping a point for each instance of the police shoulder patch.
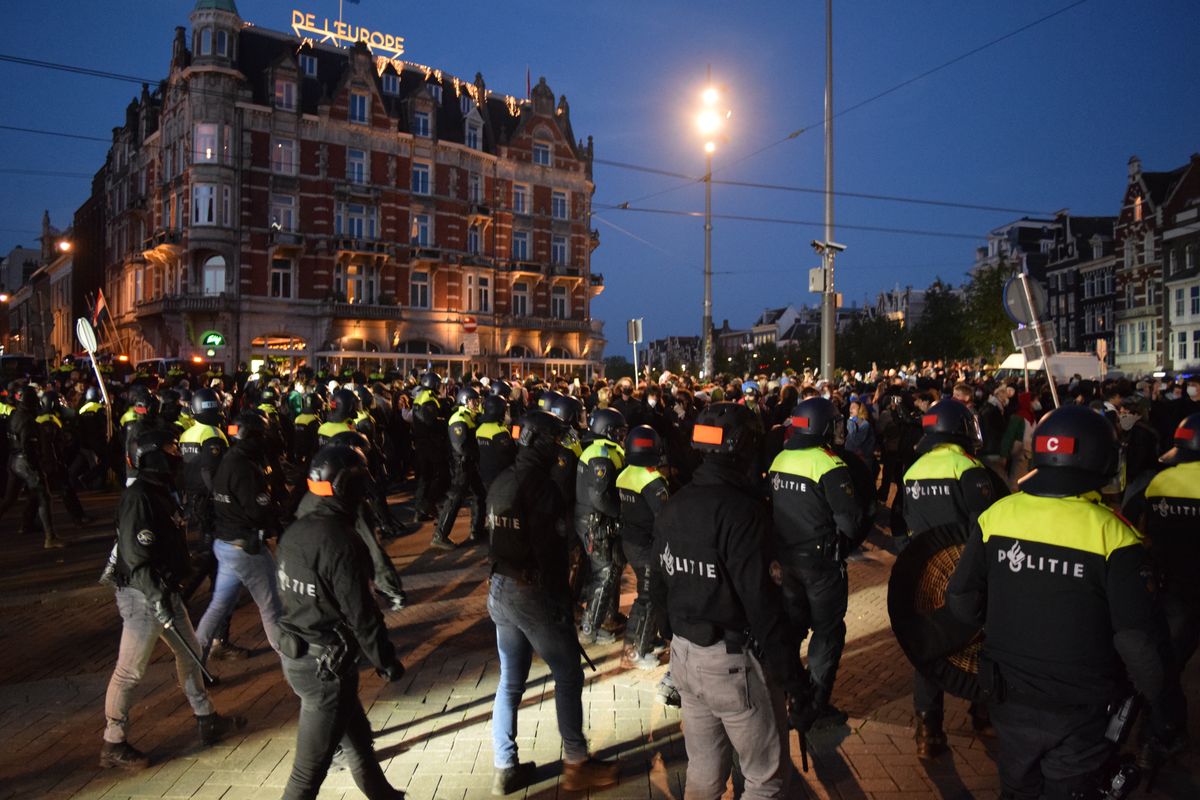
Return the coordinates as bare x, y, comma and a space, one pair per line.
145, 537
600, 470
263, 499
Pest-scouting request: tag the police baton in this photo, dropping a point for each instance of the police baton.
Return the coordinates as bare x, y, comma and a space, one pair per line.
182, 644
583, 653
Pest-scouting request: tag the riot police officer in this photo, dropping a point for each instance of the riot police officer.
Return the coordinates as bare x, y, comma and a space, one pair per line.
497, 450
563, 473
145, 407
642, 490
304, 429
597, 520
343, 408
92, 424
150, 565
430, 444
945, 486
817, 524
57, 441
1060, 584
530, 603
202, 447
24, 465
712, 539
464, 472
329, 619
245, 515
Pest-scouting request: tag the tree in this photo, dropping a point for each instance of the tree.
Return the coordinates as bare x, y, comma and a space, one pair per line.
988, 328
872, 339
940, 330
617, 367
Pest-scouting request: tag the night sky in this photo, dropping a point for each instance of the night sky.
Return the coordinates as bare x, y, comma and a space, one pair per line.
1046, 119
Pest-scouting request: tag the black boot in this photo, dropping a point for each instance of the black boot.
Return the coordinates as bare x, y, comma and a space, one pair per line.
213, 727
441, 542
929, 736
122, 755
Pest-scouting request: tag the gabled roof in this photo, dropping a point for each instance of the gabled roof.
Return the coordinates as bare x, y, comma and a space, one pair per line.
771, 316
1159, 185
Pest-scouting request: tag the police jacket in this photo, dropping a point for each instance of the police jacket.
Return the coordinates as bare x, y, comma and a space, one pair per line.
93, 427
946, 487
523, 509
563, 470
324, 572
429, 424
1062, 587
201, 447
813, 501
142, 424
1172, 511
242, 496
642, 491
464, 452
711, 539
329, 429
497, 450
24, 435
304, 437
151, 544
596, 481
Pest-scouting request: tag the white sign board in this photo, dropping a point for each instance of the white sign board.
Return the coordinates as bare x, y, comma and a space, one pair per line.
471, 344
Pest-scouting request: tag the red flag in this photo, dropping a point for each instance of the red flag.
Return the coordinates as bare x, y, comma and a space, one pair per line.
101, 308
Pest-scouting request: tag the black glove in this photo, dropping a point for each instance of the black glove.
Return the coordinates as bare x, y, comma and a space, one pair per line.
802, 712
393, 672
164, 611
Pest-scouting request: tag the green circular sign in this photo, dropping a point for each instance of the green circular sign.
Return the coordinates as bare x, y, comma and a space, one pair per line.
212, 339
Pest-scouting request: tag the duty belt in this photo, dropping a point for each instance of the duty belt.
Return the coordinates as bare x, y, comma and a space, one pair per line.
526, 577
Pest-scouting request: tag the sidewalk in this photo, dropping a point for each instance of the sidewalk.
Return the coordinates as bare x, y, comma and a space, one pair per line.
59, 633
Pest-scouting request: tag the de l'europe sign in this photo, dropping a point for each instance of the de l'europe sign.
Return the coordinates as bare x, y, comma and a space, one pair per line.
343, 34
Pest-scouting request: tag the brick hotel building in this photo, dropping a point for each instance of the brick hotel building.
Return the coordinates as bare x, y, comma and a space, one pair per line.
275, 197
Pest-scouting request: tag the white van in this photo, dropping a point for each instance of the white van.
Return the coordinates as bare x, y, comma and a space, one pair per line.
1065, 366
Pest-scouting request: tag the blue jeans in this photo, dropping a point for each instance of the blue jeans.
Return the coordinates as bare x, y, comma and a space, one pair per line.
237, 568
529, 620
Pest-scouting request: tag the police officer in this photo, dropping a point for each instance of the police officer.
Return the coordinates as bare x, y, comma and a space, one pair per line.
497, 450
430, 444
57, 442
365, 422
642, 490
712, 538
464, 473
1171, 520
817, 523
597, 520
145, 407
151, 563
202, 446
330, 619
1063, 589
304, 429
530, 603
24, 462
343, 408
92, 427
245, 516
945, 486
563, 473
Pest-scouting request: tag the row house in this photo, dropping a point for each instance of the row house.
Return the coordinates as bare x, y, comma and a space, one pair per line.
1080, 282
673, 354
1181, 273
1022, 244
279, 198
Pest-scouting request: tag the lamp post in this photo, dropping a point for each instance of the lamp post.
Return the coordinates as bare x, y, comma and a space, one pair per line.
709, 121
829, 298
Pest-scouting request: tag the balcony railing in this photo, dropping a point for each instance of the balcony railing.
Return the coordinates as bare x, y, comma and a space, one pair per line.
544, 323
349, 244
366, 311
162, 236
596, 279
280, 238
186, 303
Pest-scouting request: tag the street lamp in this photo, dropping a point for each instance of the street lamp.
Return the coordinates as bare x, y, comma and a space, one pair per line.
710, 122
64, 245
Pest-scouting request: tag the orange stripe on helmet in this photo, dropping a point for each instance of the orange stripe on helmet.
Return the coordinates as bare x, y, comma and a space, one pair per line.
707, 434
320, 488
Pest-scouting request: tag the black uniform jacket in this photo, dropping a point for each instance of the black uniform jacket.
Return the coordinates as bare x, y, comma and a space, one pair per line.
151, 545
946, 486
324, 569
523, 508
813, 501
242, 495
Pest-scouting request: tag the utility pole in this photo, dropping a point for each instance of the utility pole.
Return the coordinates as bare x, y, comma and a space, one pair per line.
706, 324
829, 298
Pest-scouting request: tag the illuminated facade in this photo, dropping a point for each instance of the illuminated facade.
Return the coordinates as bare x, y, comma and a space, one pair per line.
313, 202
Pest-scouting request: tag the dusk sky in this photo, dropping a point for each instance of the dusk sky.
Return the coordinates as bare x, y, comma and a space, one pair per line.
1045, 120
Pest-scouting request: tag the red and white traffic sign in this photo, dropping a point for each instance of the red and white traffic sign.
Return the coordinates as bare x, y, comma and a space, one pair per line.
469, 324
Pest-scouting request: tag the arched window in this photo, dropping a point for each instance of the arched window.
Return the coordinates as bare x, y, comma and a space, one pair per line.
558, 352
519, 351
419, 346
212, 277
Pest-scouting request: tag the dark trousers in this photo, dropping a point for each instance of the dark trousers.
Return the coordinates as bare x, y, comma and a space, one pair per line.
431, 476
331, 714
1050, 753
606, 561
645, 618
21, 473
816, 592
928, 700
465, 486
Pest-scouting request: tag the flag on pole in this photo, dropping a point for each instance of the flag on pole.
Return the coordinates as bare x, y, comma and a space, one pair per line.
528, 89
100, 310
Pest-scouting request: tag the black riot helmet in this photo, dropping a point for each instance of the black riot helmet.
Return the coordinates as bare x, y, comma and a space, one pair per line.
92, 395
431, 381
812, 423
465, 395
1075, 450
1187, 442
494, 408
206, 407
726, 428
547, 399
250, 425
643, 446
366, 399
156, 452
339, 471
170, 399
950, 422
502, 389
28, 398
352, 439
343, 405
142, 400
608, 423
313, 403
269, 395
540, 432
568, 409
51, 402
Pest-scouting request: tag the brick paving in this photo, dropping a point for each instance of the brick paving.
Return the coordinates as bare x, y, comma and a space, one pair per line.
58, 639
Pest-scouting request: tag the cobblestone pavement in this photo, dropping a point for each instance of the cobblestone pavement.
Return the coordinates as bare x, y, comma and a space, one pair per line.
58, 642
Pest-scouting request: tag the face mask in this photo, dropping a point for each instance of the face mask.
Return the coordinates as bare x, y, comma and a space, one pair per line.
652, 401
826, 395
1037, 406
1193, 392
1127, 421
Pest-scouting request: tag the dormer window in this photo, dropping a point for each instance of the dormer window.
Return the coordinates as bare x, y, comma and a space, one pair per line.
435, 89
1097, 250
391, 83
285, 94
465, 104
308, 65
541, 153
472, 137
421, 123
358, 108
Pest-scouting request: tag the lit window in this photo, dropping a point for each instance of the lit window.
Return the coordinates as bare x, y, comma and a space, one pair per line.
391, 83
204, 143
281, 278
358, 108
204, 204
1137, 209
473, 240
356, 165
308, 65
420, 230
283, 157
520, 202
473, 138
421, 123
418, 290
520, 299
558, 205
420, 177
213, 276
541, 154
520, 246
355, 282
283, 212
559, 302
558, 250
285, 94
